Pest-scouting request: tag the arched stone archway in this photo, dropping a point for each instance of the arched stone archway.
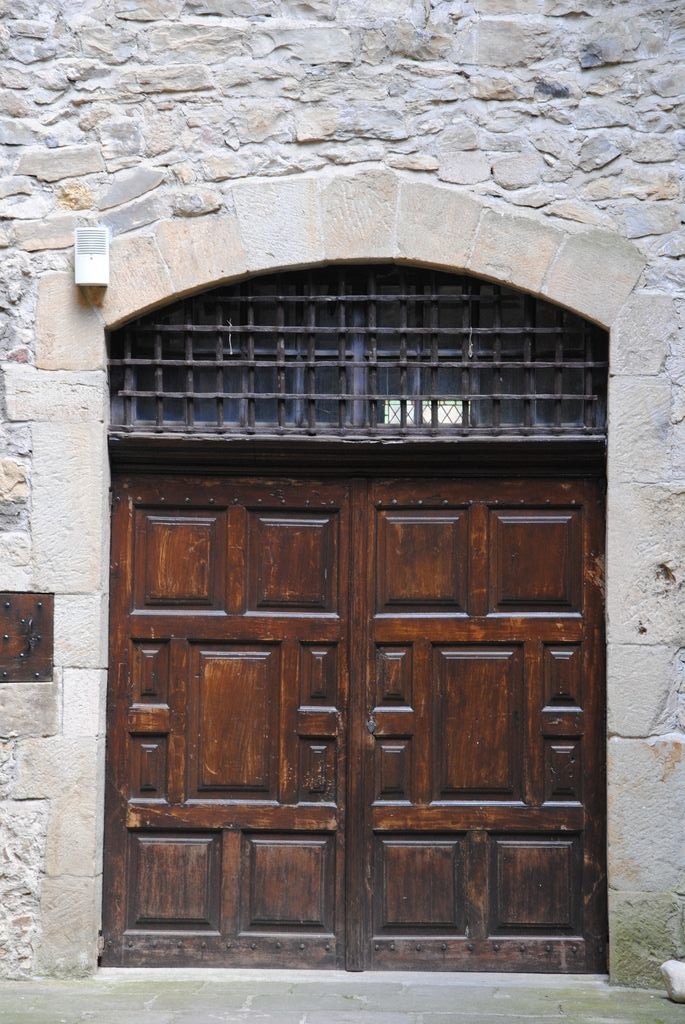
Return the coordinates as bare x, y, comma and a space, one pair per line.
367, 215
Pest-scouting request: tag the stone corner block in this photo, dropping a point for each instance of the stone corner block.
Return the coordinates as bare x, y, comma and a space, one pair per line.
645, 928
593, 274
436, 224
359, 215
201, 252
81, 630
641, 334
69, 332
140, 280
71, 916
514, 250
70, 518
28, 710
279, 222
55, 395
49, 767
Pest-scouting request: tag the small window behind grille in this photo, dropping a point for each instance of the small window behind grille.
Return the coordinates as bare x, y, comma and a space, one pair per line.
360, 351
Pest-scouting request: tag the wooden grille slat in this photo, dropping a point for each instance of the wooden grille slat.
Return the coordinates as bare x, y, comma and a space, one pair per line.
375, 351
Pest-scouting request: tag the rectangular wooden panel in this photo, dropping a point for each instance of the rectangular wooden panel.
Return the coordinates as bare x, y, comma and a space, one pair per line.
563, 676
234, 722
394, 676
180, 560
288, 883
292, 561
477, 723
26, 637
150, 672
421, 560
418, 884
563, 770
536, 560
173, 881
393, 771
318, 675
317, 770
534, 884
148, 771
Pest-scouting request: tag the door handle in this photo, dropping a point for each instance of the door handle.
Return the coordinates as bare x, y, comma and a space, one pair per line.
371, 725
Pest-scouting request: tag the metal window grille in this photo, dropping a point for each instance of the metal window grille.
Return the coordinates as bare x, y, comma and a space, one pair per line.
360, 351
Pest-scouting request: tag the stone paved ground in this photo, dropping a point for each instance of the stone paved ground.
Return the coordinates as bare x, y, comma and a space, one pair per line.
323, 997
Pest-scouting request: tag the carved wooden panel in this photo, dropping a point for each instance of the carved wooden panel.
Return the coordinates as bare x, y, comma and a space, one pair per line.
563, 676
563, 770
148, 771
393, 676
293, 562
174, 881
421, 561
150, 672
393, 770
534, 884
477, 708
234, 725
318, 675
317, 774
420, 885
289, 884
536, 561
180, 560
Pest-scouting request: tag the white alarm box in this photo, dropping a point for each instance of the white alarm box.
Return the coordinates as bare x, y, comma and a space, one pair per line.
91, 256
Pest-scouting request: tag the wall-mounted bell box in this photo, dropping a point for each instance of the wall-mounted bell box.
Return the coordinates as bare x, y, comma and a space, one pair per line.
91, 256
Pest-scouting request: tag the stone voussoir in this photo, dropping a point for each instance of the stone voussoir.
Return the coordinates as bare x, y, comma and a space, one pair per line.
515, 250
436, 224
359, 214
279, 222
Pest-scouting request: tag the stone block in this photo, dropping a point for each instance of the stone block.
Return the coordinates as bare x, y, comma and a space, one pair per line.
28, 709
464, 168
359, 215
436, 225
640, 429
514, 250
50, 233
518, 170
673, 973
506, 43
71, 914
128, 185
139, 280
202, 252
23, 827
645, 555
206, 43
69, 332
307, 45
64, 162
81, 630
642, 333
135, 215
147, 10
15, 548
593, 274
73, 844
643, 219
173, 78
641, 690
279, 222
83, 701
70, 518
647, 799
14, 484
55, 396
645, 928
50, 766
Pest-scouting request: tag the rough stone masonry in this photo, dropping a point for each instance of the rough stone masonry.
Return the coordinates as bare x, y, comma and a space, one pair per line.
140, 114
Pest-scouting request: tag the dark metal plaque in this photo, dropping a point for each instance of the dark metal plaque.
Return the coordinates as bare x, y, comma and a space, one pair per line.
26, 637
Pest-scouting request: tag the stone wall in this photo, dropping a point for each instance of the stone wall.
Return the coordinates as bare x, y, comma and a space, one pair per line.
532, 141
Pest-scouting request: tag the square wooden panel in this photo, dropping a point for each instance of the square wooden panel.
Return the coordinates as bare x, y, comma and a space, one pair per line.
234, 722
477, 722
174, 881
536, 560
288, 882
293, 562
418, 885
180, 560
534, 884
421, 561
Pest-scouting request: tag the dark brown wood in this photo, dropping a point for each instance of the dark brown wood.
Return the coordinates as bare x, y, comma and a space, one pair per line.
26, 637
442, 638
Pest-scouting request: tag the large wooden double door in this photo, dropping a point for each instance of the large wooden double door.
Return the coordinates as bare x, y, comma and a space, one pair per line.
356, 723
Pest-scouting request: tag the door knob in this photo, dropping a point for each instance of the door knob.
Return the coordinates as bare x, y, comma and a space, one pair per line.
371, 725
